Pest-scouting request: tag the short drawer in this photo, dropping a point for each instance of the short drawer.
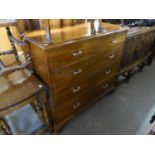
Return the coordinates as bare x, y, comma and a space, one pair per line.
71, 54
107, 72
103, 86
111, 41
111, 55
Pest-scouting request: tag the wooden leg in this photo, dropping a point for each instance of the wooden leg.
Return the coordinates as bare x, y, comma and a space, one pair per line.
58, 128
127, 75
141, 67
112, 91
149, 61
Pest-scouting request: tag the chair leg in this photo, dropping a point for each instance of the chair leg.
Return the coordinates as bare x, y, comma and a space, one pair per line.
4, 126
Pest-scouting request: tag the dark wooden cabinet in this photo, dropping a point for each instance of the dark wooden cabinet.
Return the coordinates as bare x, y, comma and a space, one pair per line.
78, 67
138, 47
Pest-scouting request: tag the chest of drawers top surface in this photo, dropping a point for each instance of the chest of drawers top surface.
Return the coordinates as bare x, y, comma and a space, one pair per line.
139, 30
70, 34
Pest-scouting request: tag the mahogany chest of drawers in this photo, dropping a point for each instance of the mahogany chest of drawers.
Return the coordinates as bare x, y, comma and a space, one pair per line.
78, 67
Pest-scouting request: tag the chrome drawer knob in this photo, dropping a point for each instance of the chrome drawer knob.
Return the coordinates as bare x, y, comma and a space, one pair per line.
108, 71
106, 86
76, 89
77, 53
76, 105
114, 41
112, 56
77, 71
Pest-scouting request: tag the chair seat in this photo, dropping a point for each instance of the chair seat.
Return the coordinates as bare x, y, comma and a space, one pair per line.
24, 121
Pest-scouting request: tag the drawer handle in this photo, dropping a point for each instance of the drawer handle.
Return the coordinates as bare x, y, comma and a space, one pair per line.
77, 53
76, 89
114, 41
106, 86
111, 56
77, 71
76, 105
108, 71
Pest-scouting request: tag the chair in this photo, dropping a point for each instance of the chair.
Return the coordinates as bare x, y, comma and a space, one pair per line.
13, 41
23, 105
23, 98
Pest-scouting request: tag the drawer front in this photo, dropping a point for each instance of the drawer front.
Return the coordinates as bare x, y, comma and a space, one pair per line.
111, 41
69, 55
111, 56
102, 86
72, 90
77, 72
106, 74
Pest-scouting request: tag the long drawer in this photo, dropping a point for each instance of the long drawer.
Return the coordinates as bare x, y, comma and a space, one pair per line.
112, 53
111, 41
69, 55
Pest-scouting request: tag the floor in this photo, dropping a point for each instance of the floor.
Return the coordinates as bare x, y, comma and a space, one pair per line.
126, 112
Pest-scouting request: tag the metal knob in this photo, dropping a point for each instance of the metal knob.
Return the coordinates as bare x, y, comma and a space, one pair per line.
78, 71
76, 105
77, 53
108, 71
114, 41
106, 86
76, 89
112, 56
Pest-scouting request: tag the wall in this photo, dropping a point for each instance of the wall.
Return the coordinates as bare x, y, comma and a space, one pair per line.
5, 44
